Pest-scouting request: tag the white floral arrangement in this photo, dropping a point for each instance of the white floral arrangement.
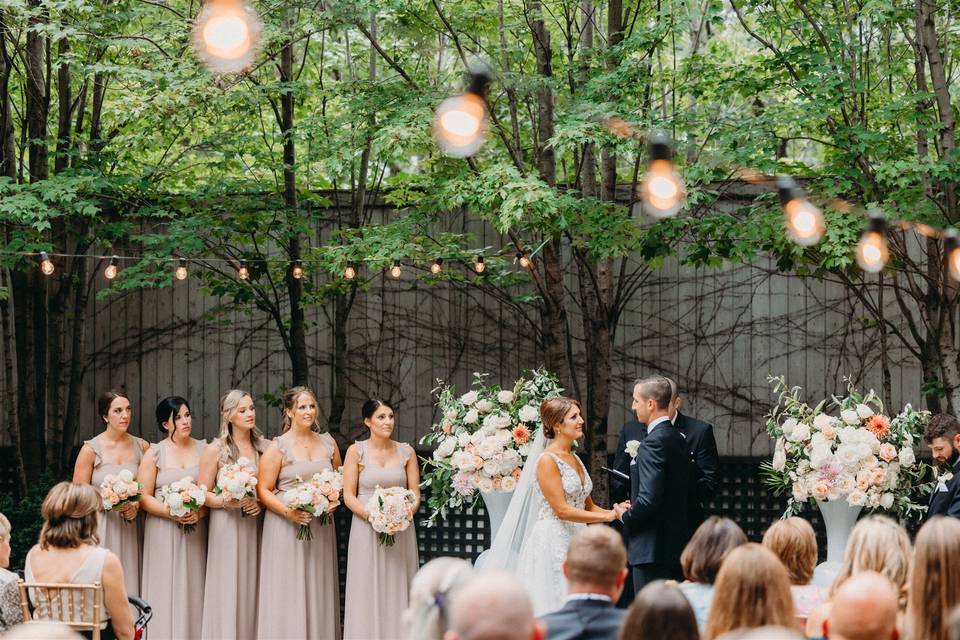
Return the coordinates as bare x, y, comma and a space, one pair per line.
390, 511
119, 490
483, 438
318, 496
181, 497
237, 480
861, 456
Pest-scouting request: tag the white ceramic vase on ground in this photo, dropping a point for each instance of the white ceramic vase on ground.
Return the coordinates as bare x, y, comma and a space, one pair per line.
496, 504
839, 518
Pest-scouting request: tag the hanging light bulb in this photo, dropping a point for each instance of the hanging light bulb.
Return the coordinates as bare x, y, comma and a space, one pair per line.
297, 269
951, 246
111, 271
460, 122
242, 271
350, 272
662, 191
226, 34
181, 271
396, 270
805, 224
479, 265
46, 264
437, 266
872, 250
524, 260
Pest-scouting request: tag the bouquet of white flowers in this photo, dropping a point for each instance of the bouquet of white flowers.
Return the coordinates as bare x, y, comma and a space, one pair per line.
181, 497
390, 512
317, 496
863, 456
329, 483
237, 480
482, 439
119, 490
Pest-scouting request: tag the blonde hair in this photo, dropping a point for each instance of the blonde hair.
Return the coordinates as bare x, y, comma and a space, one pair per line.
228, 408
428, 615
4, 527
935, 587
553, 411
795, 543
70, 513
596, 556
879, 544
752, 590
289, 403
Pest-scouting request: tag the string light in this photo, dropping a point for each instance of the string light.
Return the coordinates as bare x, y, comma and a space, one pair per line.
524, 260
297, 269
460, 122
872, 250
479, 265
181, 270
437, 266
350, 272
226, 34
804, 221
111, 271
242, 271
396, 270
662, 191
46, 264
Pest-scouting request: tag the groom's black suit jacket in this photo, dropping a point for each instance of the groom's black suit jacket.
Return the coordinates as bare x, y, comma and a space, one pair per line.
946, 503
663, 492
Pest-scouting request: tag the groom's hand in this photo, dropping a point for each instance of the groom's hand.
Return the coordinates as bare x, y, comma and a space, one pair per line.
621, 508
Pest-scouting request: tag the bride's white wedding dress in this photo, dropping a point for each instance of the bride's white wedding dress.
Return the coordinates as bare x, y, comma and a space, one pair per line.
544, 549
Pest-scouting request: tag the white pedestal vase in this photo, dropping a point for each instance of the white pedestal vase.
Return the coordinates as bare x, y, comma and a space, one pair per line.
839, 519
496, 503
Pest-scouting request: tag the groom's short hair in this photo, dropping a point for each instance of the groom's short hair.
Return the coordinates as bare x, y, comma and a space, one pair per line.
941, 425
596, 556
657, 388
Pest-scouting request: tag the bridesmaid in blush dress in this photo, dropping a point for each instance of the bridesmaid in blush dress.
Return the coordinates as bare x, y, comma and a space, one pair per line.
112, 451
378, 577
174, 560
299, 580
233, 550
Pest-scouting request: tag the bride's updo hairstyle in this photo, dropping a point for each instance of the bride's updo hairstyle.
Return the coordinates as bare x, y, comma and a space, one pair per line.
553, 411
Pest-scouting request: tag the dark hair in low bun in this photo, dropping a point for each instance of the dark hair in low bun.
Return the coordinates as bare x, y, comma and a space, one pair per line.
553, 411
371, 405
168, 410
105, 399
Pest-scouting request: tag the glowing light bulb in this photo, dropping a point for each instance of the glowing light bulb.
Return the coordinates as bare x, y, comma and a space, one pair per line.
297, 270
954, 264
396, 270
524, 260
181, 271
804, 222
226, 34
437, 266
46, 264
350, 272
662, 191
111, 271
460, 122
479, 266
243, 272
872, 250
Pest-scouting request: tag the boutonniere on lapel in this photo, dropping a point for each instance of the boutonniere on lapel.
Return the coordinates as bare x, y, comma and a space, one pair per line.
633, 448
942, 481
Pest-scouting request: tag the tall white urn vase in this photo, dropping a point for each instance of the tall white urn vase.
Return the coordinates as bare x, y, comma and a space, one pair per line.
839, 518
495, 503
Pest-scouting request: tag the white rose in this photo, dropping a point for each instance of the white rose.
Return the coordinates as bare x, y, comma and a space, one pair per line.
491, 467
490, 421
174, 501
820, 456
505, 397
524, 449
463, 439
485, 484
856, 498
450, 415
800, 433
507, 484
503, 422
822, 420
484, 406
126, 475
886, 500
632, 448
864, 411
489, 448
462, 461
471, 417
779, 457
850, 416
469, 397
800, 492
446, 448
509, 461
528, 413
849, 456
788, 425
907, 457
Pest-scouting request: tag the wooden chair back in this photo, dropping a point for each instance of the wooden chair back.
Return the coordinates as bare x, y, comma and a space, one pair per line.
79, 606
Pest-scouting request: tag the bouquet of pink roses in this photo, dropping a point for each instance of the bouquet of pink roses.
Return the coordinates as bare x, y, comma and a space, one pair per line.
116, 491
181, 497
391, 511
237, 480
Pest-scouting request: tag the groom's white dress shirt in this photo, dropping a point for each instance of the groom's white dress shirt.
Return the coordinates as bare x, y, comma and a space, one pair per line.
656, 423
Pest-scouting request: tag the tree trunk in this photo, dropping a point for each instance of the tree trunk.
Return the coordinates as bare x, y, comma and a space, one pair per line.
10, 400
62, 159
37, 99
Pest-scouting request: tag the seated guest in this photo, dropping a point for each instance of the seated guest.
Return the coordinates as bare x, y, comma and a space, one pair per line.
595, 568
701, 560
660, 611
68, 552
795, 543
431, 591
42, 631
935, 584
752, 590
879, 544
763, 633
10, 613
864, 608
493, 605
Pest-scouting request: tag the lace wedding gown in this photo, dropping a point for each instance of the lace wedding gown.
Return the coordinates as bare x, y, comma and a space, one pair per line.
540, 565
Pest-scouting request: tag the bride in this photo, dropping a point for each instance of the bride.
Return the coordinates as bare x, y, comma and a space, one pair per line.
551, 501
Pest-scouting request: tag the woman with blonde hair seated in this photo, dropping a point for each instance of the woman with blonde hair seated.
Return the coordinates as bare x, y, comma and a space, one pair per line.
795, 543
68, 553
935, 584
876, 543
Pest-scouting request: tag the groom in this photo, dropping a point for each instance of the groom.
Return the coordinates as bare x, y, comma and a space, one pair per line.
663, 489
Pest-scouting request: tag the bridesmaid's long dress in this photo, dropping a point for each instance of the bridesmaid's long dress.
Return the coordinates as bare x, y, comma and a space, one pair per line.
123, 537
299, 580
378, 577
230, 595
174, 562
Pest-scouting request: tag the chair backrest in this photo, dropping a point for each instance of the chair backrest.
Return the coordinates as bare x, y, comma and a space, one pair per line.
79, 606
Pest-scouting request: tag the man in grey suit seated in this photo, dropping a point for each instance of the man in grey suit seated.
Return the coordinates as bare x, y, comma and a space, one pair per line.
595, 568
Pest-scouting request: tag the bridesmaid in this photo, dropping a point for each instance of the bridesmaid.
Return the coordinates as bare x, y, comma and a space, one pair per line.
120, 531
299, 579
174, 561
230, 595
378, 577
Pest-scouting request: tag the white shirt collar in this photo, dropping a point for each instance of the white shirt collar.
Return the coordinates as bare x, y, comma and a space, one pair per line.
588, 596
673, 418
656, 423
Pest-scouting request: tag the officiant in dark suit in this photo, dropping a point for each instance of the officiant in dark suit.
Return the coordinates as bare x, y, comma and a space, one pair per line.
663, 489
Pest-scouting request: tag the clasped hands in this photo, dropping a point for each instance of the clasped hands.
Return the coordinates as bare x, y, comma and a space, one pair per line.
249, 505
620, 508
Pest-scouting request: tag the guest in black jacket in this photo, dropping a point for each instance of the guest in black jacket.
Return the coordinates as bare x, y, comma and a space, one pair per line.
663, 493
595, 569
942, 435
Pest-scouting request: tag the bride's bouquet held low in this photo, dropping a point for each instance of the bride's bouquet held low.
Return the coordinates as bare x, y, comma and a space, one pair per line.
845, 448
482, 439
